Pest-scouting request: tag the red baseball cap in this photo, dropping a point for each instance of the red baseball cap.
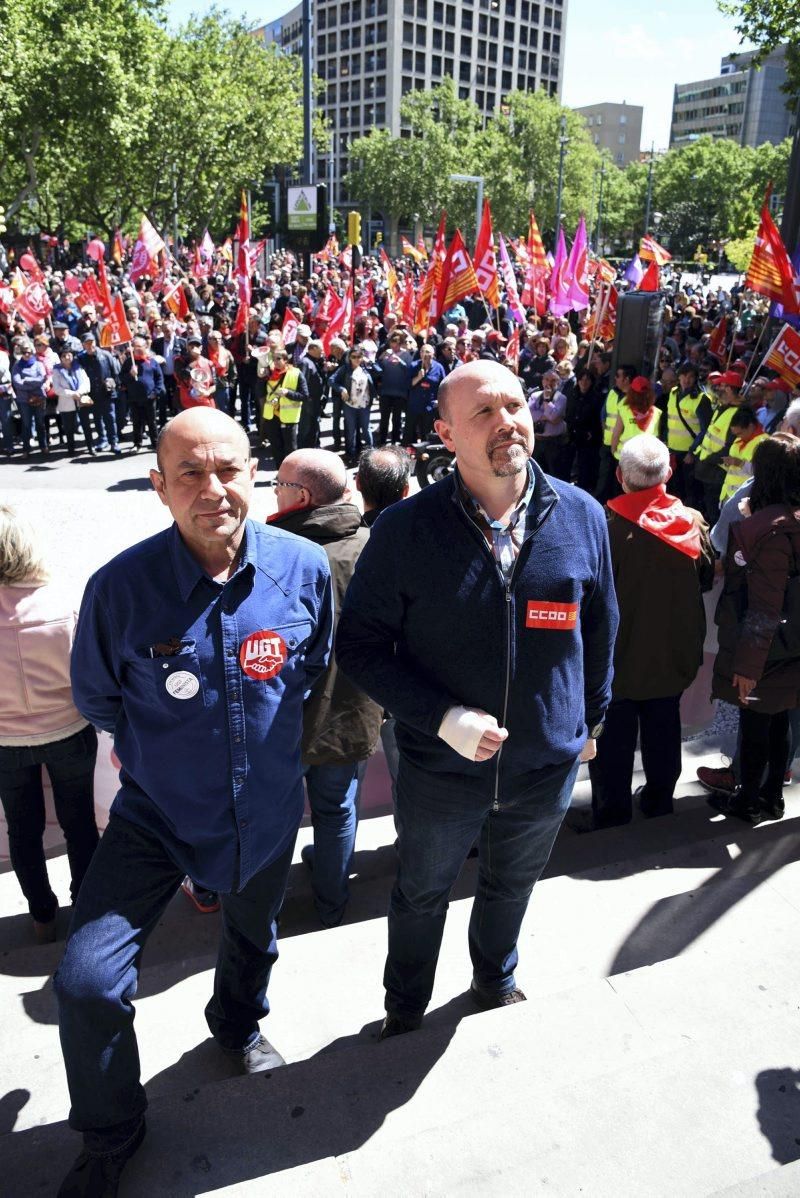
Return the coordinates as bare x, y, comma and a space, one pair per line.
730, 378
640, 385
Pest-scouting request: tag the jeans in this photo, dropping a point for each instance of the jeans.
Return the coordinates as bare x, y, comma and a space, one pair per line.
105, 421
391, 752
282, 439
657, 724
333, 794
392, 408
437, 824
356, 420
418, 427
764, 746
126, 890
70, 766
29, 417
6, 424
222, 397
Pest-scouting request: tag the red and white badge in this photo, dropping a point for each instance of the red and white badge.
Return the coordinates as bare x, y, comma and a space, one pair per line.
558, 617
262, 655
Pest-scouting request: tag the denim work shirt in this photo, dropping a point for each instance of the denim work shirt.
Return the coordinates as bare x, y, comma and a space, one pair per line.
202, 685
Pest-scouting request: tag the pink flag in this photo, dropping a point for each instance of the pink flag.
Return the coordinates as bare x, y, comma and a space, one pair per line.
510, 283
560, 302
577, 270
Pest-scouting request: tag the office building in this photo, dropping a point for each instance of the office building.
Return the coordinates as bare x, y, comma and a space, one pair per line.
370, 53
743, 102
616, 128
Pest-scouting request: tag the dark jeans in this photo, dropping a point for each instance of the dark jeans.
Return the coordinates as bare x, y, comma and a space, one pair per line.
70, 767
710, 504
392, 408
30, 417
607, 482
333, 794
437, 824
143, 416
308, 429
282, 438
418, 426
125, 893
6, 423
357, 432
336, 426
656, 723
549, 453
69, 425
587, 466
764, 745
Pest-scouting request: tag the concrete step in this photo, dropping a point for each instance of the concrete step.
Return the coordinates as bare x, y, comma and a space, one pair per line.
778, 1183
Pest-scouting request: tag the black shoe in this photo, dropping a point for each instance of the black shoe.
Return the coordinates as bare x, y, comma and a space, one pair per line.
737, 806
97, 1176
490, 1001
261, 1058
651, 808
395, 1024
772, 808
580, 820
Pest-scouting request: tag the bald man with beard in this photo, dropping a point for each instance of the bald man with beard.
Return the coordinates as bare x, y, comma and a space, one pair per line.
482, 616
196, 650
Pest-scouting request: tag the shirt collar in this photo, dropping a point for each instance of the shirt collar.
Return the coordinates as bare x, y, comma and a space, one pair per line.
473, 506
188, 571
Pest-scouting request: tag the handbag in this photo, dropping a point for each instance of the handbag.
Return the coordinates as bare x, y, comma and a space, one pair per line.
785, 644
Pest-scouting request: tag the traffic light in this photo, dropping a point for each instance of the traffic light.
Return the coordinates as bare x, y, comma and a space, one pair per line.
3, 225
354, 228
378, 238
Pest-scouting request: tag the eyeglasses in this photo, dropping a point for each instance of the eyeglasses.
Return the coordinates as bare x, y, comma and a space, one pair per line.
279, 483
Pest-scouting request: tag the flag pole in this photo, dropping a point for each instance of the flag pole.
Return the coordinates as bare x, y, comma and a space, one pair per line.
755, 354
736, 320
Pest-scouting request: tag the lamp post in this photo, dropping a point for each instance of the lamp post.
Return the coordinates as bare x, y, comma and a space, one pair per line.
597, 247
649, 188
307, 138
563, 141
477, 179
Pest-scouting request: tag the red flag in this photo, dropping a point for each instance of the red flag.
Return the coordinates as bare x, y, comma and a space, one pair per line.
409, 304
651, 280
770, 271
105, 290
90, 293
458, 274
428, 306
716, 341
175, 299
651, 251
783, 356
145, 253
341, 321
243, 267
34, 303
537, 269
366, 300
512, 350
412, 251
422, 249
389, 271
32, 268
117, 251
289, 326
486, 258
117, 324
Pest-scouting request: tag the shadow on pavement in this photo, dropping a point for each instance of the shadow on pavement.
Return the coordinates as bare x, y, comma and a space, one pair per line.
779, 1111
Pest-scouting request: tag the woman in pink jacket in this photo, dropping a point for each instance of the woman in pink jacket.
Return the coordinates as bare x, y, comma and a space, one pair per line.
40, 725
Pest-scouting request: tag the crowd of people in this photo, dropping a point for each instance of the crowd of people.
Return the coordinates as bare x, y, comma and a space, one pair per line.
590, 507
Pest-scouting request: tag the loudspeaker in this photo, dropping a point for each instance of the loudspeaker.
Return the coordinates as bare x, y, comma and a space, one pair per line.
637, 340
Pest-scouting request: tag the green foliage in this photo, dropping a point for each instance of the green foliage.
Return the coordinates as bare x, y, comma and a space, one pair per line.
107, 114
739, 251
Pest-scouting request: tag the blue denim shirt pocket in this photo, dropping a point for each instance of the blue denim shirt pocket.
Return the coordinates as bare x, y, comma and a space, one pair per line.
172, 686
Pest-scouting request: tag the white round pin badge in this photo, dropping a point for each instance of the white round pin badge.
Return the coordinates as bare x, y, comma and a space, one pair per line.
182, 685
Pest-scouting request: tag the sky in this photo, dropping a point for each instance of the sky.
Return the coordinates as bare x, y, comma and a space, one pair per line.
630, 52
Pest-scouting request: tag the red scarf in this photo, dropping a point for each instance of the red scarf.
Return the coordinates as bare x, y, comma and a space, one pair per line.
662, 515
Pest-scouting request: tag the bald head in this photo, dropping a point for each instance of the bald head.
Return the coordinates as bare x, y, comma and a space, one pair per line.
319, 471
464, 382
199, 424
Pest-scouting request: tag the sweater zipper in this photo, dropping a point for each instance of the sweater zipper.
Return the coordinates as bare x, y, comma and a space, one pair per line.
498, 755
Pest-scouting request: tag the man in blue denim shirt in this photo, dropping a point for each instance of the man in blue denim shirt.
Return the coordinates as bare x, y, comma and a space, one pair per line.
195, 649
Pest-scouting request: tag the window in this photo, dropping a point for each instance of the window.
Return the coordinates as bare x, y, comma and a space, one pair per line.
506, 81
523, 60
511, 7
321, 41
406, 87
451, 14
463, 93
556, 43
598, 120
534, 37
355, 64
438, 13
330, 95
356, 7
421, 35
623, 120
481, 49
355, 116
380, 114
479, 99
355, 37
523, 35
345, 14
621, 139
450, 42
369, 88
408, 60
369, 35
419, 62
466, 46
448, 67
508, 57
369, 114
381, 31
508, 31
345, 39
525, 11
408, 8
490, 101
492, 51
535, 13
466, 19
380, 61
531, 62
422, 9
437, 39
548, 18
491, 77
436, 65
483, 24
464, 72
321, 19
521, 83
494, 27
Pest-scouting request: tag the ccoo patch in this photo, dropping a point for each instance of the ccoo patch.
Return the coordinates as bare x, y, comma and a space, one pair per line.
262, 655
562, 617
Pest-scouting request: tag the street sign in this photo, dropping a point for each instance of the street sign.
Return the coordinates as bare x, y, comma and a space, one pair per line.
302, 208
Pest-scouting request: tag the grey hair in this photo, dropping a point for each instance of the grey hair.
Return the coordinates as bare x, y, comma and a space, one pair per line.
21, 558
644, 462
792, 417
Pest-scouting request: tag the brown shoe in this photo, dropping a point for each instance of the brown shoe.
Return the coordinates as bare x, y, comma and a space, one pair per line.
717, 781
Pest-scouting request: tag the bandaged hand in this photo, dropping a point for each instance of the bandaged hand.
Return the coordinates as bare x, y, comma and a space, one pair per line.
472, 733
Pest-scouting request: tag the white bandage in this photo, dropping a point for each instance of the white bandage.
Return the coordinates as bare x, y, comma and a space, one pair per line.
463, 727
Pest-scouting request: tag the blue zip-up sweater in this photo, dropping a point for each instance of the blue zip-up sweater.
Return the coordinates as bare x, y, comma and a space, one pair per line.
429, 622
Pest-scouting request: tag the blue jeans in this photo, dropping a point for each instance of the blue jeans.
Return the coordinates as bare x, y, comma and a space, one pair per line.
125, 892
356, 420
437, 824
333, 794
105, 421
70, 766
30, 417
6, 424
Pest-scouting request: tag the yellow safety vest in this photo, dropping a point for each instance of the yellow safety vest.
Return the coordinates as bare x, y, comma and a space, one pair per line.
679, 439
613, 400
631, 429
285, 407
743, 469
716, 434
